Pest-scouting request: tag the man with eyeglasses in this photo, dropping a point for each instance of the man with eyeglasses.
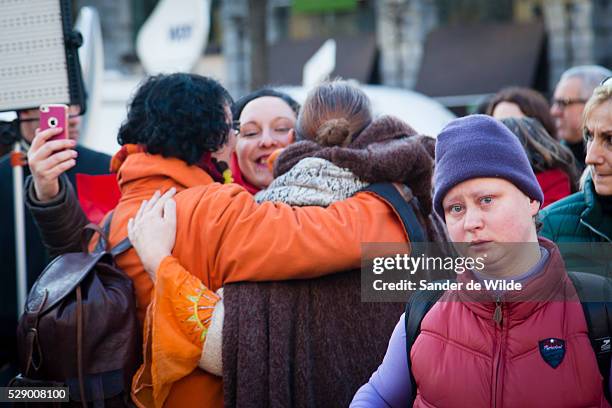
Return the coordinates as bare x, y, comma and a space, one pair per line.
573, 90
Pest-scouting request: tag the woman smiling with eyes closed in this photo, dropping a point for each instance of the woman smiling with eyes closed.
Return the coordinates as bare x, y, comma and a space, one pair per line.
265, 120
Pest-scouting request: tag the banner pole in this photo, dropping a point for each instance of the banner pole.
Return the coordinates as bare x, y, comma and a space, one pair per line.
17, 162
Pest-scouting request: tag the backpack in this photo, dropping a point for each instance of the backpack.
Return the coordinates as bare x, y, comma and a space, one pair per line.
79, 328
598, 316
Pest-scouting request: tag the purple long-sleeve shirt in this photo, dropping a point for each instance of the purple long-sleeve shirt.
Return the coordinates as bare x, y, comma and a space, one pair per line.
390, 385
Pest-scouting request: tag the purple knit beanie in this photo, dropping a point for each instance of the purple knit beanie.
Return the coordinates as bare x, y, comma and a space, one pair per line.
480, 146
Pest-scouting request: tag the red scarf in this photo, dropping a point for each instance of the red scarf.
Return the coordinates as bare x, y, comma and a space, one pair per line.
218, 170
239, 178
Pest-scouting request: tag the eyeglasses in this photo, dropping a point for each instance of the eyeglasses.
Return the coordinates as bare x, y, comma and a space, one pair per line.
606, 81
234, 127
565, 102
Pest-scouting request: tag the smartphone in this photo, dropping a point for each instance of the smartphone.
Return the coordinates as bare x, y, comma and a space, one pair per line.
54, 116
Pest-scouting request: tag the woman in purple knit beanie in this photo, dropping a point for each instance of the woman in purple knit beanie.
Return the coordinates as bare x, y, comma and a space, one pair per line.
502, 345
480, 146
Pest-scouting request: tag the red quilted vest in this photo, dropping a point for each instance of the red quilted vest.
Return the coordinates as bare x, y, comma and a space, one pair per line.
463, 358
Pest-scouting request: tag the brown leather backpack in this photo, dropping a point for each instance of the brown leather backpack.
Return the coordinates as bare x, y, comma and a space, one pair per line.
79, 327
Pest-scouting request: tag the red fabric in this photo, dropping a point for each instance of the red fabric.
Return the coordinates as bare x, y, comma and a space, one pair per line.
238, 178
479, 363
97, 194
555, 184
206, 163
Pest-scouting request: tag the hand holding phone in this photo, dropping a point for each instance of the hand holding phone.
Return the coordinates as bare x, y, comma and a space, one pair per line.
54, 116
51, 151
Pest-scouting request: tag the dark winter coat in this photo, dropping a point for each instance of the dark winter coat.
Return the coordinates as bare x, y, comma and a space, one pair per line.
574, 222
88, 162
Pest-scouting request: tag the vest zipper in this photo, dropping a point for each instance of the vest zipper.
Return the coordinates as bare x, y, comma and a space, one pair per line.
498, 318
497, 315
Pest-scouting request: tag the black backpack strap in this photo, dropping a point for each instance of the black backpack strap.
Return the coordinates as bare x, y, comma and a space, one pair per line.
405, 209
118, 249
594, 292
106, 230
121, 247
416, 308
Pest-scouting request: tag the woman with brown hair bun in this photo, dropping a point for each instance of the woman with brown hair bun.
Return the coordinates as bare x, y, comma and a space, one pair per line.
519, 102
333, 111
336, 124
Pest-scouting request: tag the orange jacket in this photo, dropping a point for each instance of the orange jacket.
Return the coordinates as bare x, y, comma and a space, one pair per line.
224, 236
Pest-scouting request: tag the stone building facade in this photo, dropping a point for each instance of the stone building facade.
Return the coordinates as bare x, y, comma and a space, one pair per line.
401, 31
117, 23
578, 32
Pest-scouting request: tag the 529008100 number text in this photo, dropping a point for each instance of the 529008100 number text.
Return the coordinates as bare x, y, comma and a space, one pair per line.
34, 394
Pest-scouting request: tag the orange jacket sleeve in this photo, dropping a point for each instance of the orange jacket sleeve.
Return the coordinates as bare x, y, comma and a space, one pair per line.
274, 241
175, 330
224, 236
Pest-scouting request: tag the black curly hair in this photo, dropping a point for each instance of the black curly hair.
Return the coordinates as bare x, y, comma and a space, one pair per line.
242, 102
178, 115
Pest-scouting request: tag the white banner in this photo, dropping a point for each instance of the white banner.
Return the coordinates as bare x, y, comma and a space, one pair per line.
174, 36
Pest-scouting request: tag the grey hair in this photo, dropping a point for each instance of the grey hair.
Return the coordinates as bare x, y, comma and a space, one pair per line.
590, 77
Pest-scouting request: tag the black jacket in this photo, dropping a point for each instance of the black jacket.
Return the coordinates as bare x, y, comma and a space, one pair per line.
88, 162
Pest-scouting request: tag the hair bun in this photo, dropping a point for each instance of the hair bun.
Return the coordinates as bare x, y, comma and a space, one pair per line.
334, 132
